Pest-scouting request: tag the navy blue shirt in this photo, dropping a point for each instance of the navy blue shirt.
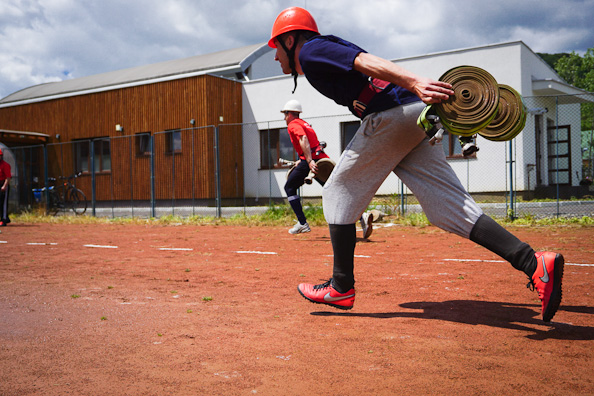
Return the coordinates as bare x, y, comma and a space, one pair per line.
328, 65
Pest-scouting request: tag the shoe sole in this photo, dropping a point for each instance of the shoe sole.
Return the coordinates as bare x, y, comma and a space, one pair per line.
369, 221
369, 226
300, 232
555, 299
324, 303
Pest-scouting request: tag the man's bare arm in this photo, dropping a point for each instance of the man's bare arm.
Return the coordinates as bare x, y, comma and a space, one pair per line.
428, 90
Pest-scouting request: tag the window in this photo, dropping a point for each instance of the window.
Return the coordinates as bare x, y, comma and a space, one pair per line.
82, 150
143, 144
101, 154
452, 147
173, 141
275, 144
347, 131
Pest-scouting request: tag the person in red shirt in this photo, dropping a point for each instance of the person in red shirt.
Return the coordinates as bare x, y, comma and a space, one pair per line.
5, 177
306, 144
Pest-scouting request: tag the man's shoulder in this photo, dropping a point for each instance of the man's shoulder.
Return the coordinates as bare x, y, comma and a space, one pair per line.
300, 122
325, 41
297, 123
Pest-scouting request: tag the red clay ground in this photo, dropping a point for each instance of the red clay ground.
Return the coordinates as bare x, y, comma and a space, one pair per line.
137, 320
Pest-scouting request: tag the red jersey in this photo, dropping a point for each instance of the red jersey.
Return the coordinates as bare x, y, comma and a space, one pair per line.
5, 171
298, 128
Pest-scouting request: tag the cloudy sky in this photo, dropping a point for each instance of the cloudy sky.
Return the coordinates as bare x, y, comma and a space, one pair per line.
52, 40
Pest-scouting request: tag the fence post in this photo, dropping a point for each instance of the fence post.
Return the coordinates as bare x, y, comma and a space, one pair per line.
402, 198
45, 177
270, 167
193, 169
512, 199
152, 171
217, 171
557, 150
93, 197
131, 158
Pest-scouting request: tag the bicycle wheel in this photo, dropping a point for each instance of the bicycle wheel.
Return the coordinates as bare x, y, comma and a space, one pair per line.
77, 201
53, 205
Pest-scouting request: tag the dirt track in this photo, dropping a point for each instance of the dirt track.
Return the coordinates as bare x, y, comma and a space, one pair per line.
221, 314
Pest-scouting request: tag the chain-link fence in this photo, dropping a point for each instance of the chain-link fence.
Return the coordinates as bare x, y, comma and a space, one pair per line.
546, 171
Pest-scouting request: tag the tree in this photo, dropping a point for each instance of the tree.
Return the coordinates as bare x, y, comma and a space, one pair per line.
579, 72
551, 59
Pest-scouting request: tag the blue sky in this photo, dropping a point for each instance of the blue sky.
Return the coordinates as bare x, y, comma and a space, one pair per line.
51, 40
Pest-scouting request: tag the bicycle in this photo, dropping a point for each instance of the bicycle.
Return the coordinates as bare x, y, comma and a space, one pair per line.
64, 196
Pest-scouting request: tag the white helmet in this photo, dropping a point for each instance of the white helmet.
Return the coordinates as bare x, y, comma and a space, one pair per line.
292, 105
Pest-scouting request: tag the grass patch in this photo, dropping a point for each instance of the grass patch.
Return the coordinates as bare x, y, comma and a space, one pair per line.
528, 220
282, 215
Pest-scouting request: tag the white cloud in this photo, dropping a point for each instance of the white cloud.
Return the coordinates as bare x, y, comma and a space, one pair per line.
50, 40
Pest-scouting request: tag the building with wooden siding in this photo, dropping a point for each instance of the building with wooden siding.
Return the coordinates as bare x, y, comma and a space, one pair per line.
118, 115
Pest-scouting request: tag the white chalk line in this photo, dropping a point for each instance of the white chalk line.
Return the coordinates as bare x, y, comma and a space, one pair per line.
95, 246
101, 246
273, 253
503, 261
253, 252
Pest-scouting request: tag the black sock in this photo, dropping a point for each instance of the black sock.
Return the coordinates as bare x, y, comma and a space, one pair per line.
344, 239
296, 206
489, 234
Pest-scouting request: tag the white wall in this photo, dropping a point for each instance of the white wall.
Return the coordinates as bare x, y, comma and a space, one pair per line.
512, 64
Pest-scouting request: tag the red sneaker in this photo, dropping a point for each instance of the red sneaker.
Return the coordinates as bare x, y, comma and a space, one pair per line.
547, 282
325, 293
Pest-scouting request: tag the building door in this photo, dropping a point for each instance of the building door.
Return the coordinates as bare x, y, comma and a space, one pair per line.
559, 154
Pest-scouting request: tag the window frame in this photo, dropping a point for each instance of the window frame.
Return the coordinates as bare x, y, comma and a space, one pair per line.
552, 156
82, 160
170, 142
345, 131
281, 144
139, 142
101, 143
452, 148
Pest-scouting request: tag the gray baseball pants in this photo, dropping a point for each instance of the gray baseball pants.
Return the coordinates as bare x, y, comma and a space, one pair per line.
392, 141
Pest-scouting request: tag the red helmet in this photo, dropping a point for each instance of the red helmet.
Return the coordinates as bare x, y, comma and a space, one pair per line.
293, 18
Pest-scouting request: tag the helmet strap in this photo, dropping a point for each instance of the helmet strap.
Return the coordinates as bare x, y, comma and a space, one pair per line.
291, 55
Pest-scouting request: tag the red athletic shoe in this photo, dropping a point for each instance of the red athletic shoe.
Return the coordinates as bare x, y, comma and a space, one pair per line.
325, 293
547, 282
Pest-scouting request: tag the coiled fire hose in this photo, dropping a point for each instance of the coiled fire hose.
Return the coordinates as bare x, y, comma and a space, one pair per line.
479, 105
510, 118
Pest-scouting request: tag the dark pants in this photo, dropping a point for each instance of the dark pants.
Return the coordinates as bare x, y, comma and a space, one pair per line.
295, 180
4, 205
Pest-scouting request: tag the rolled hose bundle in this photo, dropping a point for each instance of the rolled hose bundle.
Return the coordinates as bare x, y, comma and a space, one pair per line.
474, 103
510, 118
480, 105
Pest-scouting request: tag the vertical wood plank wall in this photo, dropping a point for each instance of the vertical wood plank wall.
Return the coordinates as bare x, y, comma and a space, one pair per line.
149, 108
